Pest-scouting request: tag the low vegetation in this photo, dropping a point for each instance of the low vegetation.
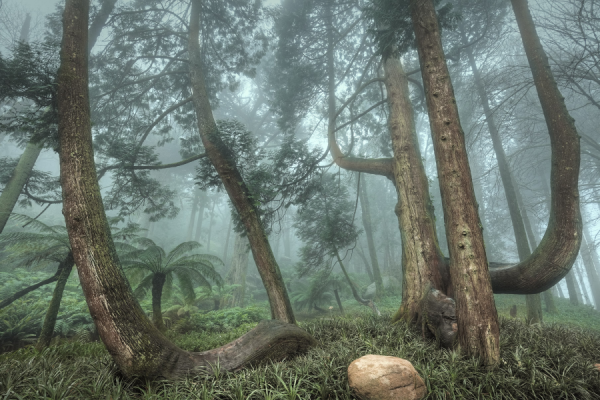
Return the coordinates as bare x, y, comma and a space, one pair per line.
553, 360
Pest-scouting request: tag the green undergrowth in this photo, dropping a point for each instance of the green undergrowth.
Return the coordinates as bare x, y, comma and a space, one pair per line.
550, 361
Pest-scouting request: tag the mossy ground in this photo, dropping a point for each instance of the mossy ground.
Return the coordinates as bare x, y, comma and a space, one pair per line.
550, 361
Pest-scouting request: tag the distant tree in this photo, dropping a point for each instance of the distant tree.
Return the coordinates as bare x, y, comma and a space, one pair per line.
156, 271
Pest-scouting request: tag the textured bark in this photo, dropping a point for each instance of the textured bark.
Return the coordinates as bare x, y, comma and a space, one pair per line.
422, 259
65, 268
478, 330
366, 218
233, 182
237, 273
137, 347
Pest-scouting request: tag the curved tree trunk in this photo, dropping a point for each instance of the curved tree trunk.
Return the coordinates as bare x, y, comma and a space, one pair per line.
478, 329
233, 182
65, 268
554, 257
137, 347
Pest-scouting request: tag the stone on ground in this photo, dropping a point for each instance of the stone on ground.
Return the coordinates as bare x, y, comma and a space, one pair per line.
374, 377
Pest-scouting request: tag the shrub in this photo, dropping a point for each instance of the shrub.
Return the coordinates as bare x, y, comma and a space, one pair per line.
221, 320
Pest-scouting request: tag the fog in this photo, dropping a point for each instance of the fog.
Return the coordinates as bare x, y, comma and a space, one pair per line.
287, 90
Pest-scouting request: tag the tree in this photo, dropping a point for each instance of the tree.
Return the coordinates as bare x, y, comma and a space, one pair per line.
156, 271
136, 345
325, 225
478, 330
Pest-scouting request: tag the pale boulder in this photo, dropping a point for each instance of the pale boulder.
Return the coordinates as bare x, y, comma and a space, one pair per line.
374, 377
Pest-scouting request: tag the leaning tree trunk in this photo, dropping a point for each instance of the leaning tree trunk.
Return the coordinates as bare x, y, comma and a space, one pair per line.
137, 347
234, 184
65, 268
534, 306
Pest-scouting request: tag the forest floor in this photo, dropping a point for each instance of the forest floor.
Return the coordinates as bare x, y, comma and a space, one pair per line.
554, 360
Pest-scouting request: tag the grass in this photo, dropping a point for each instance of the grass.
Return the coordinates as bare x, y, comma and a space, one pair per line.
550, 361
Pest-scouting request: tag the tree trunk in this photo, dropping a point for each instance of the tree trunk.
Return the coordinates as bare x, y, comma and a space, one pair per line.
190, 230
574, 297
137, 347
12, 190
158, 282
238, 192
200, 220
237, 273
210, 225
590, 269
353, 288
422, 261
361, 254
226, 247
366, 218
339, 302
583, 292
534, 305
65, 268
478, 330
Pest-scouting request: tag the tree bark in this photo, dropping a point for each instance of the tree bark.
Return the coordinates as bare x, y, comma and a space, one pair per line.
478, 330
422, 261
233, 182
137, 347
366, 218
65, 268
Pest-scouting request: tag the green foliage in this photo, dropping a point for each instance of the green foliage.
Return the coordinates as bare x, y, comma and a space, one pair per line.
317, 290
275, 180
325, 225
222, 320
